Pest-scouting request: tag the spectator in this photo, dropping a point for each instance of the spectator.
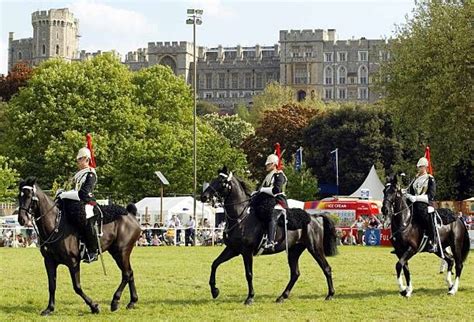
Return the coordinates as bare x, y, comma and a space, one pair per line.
373, 222
142, 240
360, 225
189, 232
155, 240
175, 223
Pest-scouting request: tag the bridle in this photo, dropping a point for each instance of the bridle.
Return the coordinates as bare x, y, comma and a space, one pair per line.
391, 213
228, 189
30, 215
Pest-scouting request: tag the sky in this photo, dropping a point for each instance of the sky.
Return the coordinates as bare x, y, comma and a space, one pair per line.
125, 25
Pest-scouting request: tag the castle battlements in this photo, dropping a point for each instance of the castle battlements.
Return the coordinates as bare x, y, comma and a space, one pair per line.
169, 46
308, 35
53, 14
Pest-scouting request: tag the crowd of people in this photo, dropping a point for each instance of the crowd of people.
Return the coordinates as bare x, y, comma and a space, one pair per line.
172, 233
11, 239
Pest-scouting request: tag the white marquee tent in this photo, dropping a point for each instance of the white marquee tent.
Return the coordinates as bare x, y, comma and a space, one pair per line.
371, 183
180, 206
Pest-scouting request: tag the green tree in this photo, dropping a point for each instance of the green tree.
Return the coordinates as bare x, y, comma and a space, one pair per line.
302, 185
428, 87
363, 135
243, 112
231, 127
285, 126
273, 97
8, 180
203, 108
140, 122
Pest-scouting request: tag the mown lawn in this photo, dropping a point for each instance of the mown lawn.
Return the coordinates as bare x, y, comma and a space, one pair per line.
172, 284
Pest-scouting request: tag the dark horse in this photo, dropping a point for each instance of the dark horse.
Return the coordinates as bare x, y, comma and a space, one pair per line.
244, 231
59, 242
407, 236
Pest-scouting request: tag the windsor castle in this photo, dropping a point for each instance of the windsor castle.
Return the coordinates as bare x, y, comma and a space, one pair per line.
313, 62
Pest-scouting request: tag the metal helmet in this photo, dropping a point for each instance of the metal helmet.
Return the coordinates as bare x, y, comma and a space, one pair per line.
272, 158
423, 162
83, 152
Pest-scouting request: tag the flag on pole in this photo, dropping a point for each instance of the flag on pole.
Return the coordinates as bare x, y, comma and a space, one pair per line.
92, 163
299, 159
428, 157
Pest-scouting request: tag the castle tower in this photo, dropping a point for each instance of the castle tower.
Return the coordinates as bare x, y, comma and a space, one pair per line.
55, 34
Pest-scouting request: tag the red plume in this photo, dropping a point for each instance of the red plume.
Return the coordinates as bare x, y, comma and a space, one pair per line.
428, 157
89, 146
278, 154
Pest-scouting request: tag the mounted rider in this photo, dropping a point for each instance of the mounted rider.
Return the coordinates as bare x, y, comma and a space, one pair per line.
421, 192
274, 185
85, 180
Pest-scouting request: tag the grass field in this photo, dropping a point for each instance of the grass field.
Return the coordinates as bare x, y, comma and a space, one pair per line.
172, 284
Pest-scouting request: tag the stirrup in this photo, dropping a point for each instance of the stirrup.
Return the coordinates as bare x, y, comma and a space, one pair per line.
270, 245
91, 257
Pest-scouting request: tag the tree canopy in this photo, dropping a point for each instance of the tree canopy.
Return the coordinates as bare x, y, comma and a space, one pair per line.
140, 122
428, 87
231, 127
16, 78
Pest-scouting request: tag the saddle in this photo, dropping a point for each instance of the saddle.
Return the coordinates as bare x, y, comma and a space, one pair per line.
297, 219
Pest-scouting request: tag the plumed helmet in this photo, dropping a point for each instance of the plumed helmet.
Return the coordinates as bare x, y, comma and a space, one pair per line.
423, 162
272, 158
83, 152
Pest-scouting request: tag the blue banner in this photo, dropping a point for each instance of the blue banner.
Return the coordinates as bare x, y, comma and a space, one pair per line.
372, 237
299, 159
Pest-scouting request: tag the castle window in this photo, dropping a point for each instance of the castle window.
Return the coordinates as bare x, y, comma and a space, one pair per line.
328, 57
341, 93
363, 75
259, 82
269, 77
363, 56
328, 93
301, 74
341, 75
248, 80
342, 56
57, 49
19, 55
209, 81
363, 93
235, 80
57, 35
44, 50
221, 77
328, 75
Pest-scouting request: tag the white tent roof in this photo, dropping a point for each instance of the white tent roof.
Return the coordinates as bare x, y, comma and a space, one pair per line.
180, 206
373, 184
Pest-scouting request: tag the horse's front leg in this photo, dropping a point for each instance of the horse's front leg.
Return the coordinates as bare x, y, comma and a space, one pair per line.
75, 272
248, 263
51, 268
226, 254
403, 264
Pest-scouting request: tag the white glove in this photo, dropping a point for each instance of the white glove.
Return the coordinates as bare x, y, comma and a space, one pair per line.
253, 193
71, 194
410, 197
58, 192
267, 190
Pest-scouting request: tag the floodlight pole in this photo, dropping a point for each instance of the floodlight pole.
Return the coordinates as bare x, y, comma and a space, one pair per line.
194, 17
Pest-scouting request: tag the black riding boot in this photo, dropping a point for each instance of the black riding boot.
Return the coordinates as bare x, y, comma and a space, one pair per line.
272, 225
433, 245
91, 241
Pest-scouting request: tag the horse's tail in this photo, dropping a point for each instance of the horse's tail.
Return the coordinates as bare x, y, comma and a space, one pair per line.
466, 244
132, 209
329, 238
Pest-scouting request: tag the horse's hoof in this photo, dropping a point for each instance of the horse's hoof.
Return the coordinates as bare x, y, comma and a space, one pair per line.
249, 301
451, 292
46, 312
114, 306
215, 292
450, 288
280, 299
130, 305
329, 298
403, 293
95, 308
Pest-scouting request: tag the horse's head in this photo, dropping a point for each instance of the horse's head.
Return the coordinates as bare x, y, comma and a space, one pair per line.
220, 187
27, 201
392, 195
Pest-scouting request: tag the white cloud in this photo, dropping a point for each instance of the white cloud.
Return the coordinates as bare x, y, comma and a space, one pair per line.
105, 27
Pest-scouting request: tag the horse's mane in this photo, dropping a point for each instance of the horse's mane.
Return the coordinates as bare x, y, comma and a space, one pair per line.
242, 183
